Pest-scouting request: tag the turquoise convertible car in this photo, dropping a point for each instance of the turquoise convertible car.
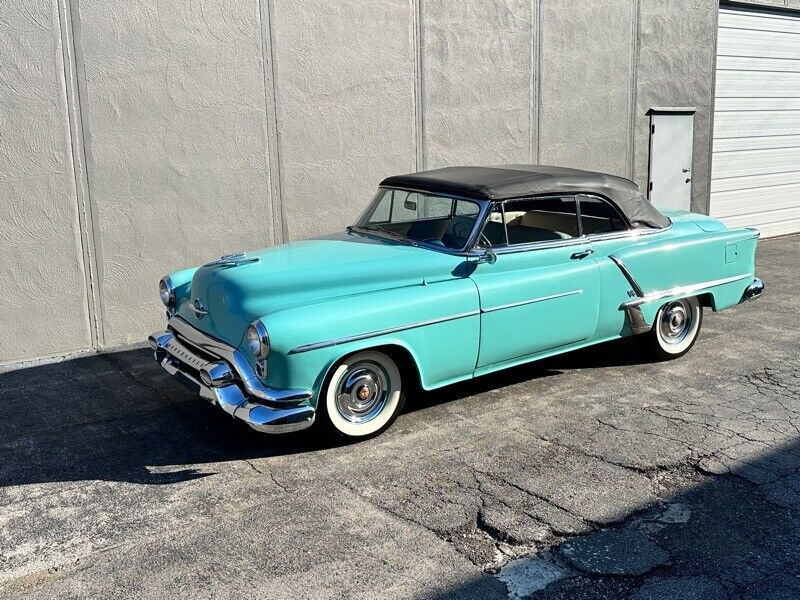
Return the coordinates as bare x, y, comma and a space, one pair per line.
449, 274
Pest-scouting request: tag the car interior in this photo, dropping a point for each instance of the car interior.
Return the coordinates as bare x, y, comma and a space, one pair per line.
545, 219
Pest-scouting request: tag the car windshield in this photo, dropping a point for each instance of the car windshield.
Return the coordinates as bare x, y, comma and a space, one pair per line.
419, 217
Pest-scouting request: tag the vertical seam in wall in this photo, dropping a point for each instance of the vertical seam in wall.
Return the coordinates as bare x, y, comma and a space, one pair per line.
712, 105
633, 96
533, 115
419, 123
537, 66
280, 230
86, 219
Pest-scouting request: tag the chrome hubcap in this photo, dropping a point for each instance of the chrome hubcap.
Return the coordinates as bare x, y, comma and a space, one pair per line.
362, 392
676, 321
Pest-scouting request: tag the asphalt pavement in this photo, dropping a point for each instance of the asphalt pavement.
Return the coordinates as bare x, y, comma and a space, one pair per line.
594, 474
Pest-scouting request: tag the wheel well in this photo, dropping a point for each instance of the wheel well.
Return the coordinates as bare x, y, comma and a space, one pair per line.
706, 300
405, 362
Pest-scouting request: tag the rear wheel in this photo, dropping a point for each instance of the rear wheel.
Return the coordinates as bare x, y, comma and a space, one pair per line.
675, 329
364, 395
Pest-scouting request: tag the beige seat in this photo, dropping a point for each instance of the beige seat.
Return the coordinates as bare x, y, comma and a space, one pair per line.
564, 225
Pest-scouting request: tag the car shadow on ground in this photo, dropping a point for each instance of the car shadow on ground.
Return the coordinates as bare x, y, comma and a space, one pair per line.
120, 417
715, 536
616, 353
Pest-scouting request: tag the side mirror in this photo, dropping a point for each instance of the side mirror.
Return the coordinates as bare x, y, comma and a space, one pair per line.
488, 257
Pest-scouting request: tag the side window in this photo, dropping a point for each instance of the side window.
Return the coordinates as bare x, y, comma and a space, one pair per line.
383, 210
541, 219
599, 216
494, 232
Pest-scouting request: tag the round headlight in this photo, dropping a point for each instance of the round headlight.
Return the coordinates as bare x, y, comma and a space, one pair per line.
166, 291
257, 339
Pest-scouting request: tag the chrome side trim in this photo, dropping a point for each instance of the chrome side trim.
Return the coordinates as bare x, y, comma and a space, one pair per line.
531, 301
637, 289
576, 241
252, 384
379, 332
681, 290
631, 234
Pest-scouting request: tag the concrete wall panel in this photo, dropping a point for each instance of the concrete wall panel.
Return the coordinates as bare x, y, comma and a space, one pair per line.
173, 99
43, 301
477, 80
585, 84
345, 84
676, 68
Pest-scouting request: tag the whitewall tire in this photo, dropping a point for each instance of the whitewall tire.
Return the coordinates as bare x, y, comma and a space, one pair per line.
676, 327
364, 394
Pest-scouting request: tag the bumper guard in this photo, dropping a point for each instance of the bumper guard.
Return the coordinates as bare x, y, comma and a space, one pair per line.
220, 382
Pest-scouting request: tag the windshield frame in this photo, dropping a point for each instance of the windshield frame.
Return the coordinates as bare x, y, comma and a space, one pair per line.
483, 210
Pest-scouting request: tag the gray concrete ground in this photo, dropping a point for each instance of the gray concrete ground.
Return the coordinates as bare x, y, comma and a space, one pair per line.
595, 473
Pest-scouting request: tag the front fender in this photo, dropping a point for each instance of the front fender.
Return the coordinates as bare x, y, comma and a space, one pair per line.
437, 324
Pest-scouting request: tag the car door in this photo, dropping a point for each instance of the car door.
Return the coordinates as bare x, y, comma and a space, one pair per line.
541, 292
608, 231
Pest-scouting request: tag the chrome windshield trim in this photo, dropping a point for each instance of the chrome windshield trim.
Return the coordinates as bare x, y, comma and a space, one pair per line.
379, 332
682, 290
477, 227
531, 301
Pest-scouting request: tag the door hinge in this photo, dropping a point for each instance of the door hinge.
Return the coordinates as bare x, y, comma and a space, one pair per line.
652, 128
650, 187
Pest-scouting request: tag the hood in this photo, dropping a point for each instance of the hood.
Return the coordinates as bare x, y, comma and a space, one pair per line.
305, 272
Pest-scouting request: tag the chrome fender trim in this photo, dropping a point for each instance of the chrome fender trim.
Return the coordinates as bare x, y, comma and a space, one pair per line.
378, 332
686, 290
632, 307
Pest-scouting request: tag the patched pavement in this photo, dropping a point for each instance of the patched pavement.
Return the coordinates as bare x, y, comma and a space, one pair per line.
590, 475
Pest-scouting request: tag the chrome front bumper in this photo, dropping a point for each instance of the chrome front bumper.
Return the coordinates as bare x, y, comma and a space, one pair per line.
219, 374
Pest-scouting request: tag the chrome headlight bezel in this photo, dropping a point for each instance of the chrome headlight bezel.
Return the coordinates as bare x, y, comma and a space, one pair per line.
257, 339
166, 291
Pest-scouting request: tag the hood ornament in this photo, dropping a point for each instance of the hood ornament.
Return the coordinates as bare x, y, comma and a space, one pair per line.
232, 260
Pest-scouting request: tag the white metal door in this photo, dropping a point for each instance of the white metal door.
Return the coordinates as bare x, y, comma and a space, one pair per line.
671, 136
755, 173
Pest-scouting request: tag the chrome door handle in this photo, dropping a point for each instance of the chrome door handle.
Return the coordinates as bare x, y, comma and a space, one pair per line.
582, 254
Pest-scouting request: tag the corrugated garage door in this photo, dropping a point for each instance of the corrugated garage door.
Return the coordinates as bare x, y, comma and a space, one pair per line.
755, 175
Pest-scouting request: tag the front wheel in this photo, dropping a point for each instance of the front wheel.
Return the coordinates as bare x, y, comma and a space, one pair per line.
364, 395
675, 329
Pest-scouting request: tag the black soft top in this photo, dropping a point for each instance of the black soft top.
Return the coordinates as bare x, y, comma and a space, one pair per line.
516, 181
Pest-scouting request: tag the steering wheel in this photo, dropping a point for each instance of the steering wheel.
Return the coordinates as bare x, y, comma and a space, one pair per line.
484, 241
461, 230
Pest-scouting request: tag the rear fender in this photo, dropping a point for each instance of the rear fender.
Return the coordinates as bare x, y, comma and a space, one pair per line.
718, 265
